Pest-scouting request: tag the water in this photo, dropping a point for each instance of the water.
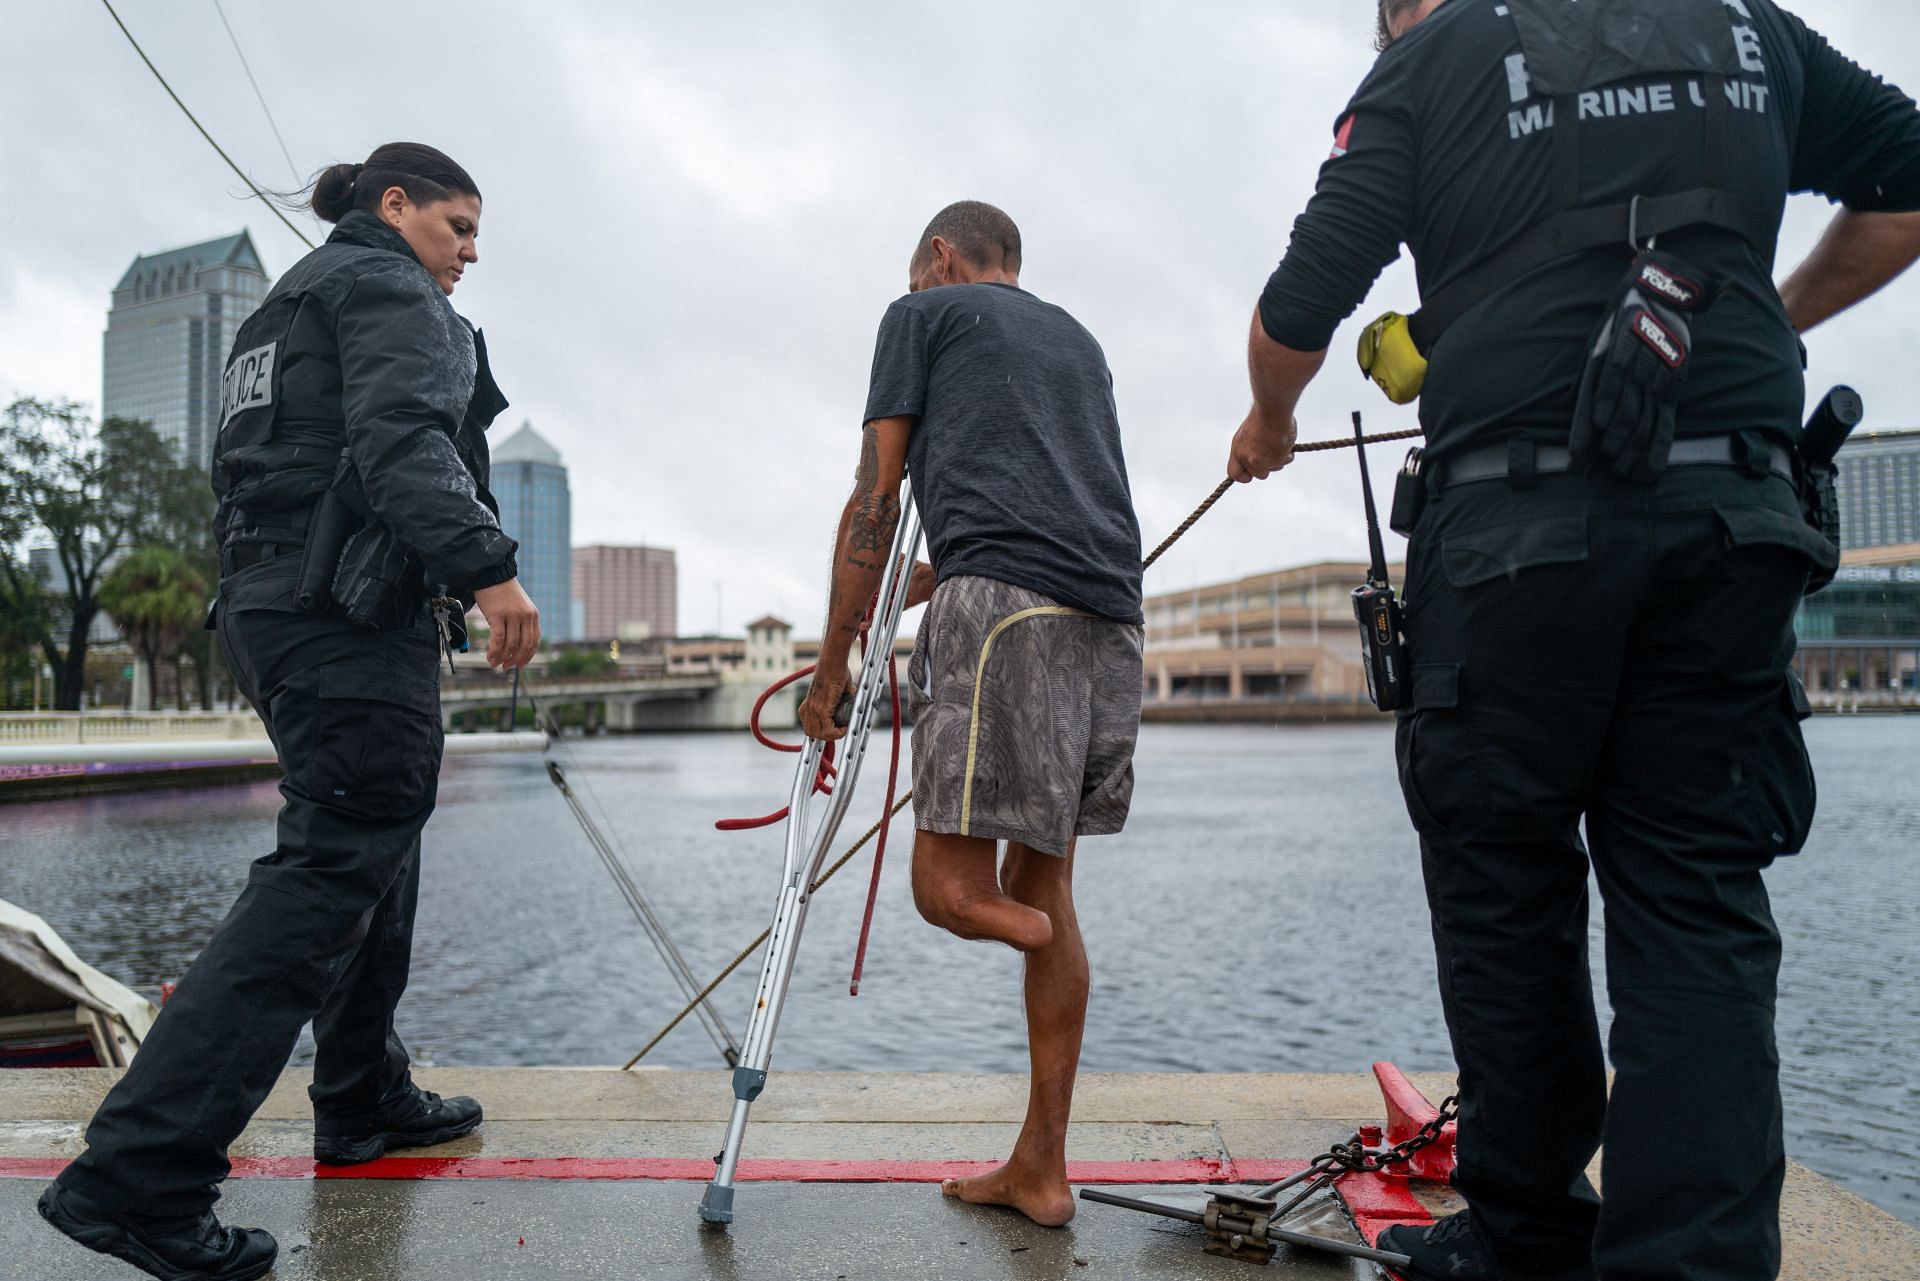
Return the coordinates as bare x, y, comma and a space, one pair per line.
1262, 912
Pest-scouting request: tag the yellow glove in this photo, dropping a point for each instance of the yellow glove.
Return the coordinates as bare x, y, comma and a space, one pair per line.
1389, 357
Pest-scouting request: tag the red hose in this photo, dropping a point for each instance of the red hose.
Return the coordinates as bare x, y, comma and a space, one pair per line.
886, 820
822, 781
753, 719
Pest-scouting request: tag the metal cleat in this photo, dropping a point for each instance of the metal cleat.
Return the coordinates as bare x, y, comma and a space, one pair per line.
1408, 1114
1237, 1227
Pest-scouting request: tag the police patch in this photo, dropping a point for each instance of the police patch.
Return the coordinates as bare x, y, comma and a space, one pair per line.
248, 383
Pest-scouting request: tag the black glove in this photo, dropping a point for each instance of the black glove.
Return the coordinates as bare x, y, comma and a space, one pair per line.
1630, 390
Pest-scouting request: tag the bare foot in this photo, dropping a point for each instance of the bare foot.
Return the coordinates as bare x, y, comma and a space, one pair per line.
1048, 1202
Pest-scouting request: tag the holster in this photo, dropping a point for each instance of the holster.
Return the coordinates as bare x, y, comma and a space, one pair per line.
1820, 503
1834, 418
340, 513
378, 584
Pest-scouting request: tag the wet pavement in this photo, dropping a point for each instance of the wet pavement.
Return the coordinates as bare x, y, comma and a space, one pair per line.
465, 1211
340, 1230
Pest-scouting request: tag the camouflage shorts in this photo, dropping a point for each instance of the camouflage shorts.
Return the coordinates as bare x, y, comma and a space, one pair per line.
1025, 713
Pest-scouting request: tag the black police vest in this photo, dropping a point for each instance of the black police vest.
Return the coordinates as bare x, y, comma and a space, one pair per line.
277, 453
272, 459
1571, 49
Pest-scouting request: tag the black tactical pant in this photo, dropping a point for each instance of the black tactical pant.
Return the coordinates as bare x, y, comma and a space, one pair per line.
1585, 649
323, 930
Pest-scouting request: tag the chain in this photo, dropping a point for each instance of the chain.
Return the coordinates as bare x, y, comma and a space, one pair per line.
1355, 1158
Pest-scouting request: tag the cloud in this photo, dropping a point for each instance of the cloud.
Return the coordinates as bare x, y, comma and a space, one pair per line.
695, 215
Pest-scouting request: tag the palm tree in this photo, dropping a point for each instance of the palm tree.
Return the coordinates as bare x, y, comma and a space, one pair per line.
156, 597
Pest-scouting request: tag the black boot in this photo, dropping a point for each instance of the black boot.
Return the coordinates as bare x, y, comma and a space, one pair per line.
1456, 1249
183, 1249
418, 1119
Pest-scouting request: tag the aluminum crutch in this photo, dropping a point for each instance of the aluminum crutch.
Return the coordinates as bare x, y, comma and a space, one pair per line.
806, 851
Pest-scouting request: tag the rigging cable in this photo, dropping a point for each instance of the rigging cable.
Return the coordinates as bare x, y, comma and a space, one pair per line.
258, 96
615, 862
262, 196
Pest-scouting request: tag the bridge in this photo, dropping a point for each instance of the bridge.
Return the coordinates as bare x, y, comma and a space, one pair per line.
644, 700
696, 683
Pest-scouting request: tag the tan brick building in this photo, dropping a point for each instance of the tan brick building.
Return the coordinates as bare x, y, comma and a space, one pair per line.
1286, 636
627, 593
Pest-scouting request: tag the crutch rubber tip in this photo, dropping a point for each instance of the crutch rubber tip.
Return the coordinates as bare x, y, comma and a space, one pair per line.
717, 1205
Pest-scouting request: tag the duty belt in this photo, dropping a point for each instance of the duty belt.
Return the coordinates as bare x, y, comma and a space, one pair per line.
1521, 461
241, 556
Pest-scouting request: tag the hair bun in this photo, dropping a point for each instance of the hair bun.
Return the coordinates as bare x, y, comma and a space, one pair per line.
426, 175
333, 192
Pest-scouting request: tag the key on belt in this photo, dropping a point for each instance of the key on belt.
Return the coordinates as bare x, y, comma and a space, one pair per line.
451, 620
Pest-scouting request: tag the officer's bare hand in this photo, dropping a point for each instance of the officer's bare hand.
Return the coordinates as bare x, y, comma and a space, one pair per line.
823, 699
513, 622
920, 587
1261, 447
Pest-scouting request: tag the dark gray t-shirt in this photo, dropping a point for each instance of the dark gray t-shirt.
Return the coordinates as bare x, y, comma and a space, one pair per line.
1015, 460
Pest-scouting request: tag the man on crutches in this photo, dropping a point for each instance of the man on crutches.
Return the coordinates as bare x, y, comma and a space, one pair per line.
1026, 675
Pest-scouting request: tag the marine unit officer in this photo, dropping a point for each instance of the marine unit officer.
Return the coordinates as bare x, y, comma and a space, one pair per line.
1602, 584
355, 526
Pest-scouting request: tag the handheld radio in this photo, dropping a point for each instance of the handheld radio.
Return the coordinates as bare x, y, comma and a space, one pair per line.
1383, 645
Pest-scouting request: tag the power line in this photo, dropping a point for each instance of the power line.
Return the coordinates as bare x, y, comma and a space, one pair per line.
251, 186
261, 97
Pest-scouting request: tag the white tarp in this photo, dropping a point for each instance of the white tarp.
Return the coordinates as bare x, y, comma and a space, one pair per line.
96, 990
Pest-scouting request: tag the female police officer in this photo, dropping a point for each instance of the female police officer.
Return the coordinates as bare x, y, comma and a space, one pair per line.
351, 471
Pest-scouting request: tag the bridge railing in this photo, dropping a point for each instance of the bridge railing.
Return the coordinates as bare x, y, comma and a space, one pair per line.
127, 727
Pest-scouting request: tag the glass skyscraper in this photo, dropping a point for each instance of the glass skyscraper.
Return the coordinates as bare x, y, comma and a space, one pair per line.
168, 334
1880, 490
536, 508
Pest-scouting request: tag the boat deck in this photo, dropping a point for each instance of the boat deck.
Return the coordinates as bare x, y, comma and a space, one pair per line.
597, 1173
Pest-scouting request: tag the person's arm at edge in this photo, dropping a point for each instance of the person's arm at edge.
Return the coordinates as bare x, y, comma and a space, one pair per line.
1860, 254
1858, 144
1350, 230
1264, 443
861, 546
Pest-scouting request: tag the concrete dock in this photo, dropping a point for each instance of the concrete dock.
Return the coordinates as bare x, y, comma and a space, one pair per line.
594, 1173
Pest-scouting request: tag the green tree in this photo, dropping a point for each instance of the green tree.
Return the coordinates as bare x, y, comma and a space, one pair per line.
92, 494
590, 662
157, 599
183, 519
25, 617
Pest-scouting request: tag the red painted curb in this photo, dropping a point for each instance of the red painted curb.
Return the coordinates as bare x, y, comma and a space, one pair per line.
697, 1169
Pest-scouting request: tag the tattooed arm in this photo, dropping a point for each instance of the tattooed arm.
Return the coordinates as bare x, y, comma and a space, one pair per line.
860, 554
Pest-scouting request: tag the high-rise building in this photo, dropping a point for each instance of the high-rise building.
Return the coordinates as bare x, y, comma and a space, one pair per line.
536, 509
169, 332
627, 593
1880, 489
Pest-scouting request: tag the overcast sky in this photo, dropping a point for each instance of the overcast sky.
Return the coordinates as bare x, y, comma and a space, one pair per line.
696, 214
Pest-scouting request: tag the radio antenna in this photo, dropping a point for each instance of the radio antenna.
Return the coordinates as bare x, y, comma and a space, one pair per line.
1377, 571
